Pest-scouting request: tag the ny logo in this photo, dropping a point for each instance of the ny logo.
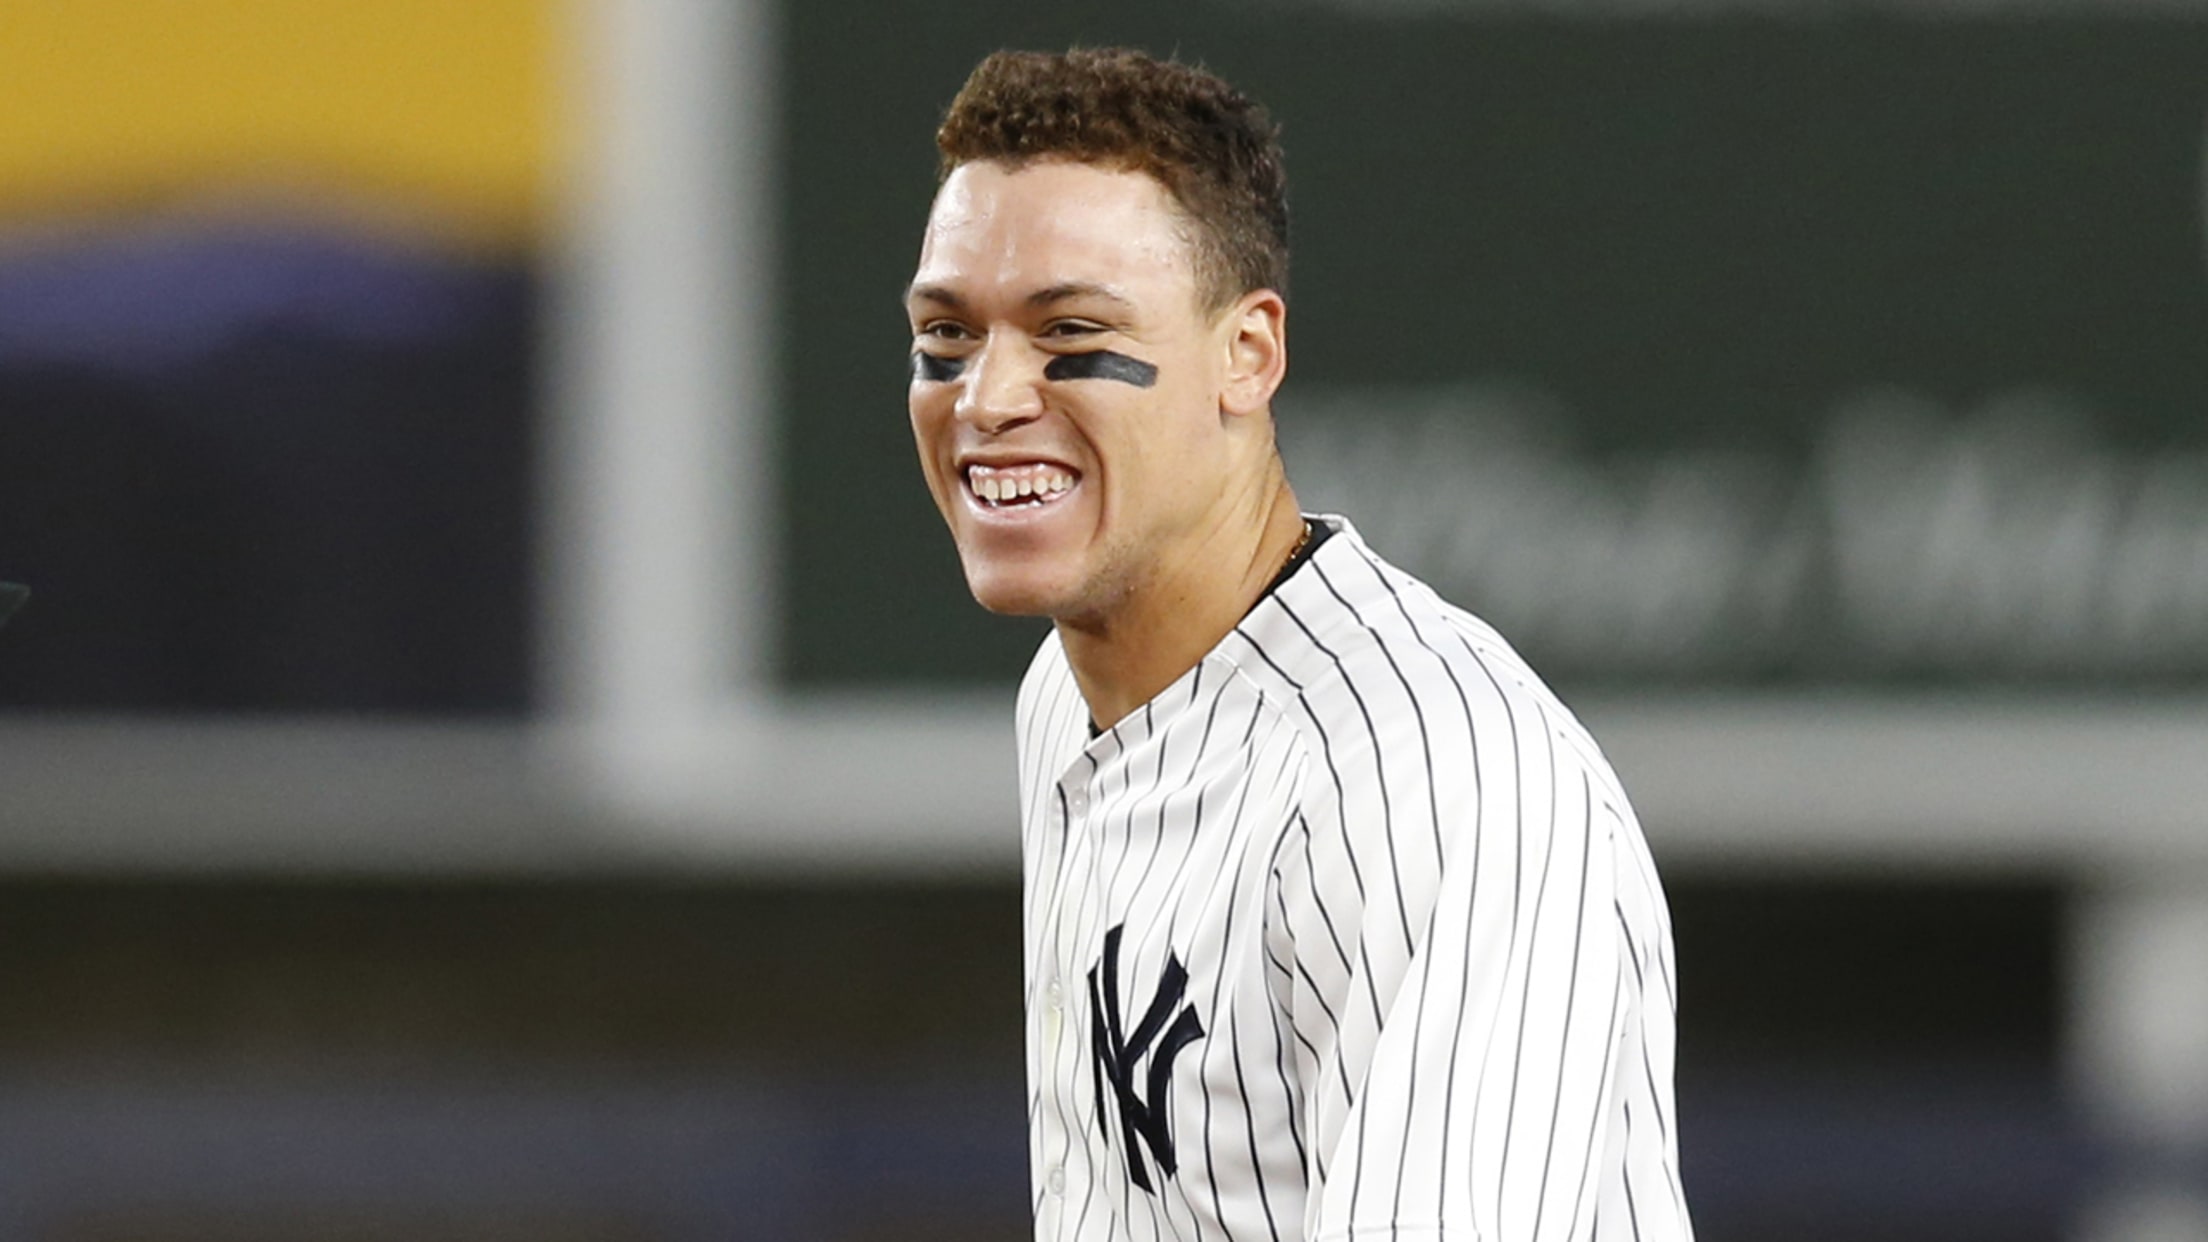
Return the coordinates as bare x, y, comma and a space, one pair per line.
1116, 1054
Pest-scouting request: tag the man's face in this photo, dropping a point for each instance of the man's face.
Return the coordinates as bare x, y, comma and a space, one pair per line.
1066, 385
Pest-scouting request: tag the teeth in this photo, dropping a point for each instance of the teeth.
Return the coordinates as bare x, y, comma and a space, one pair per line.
1004, 484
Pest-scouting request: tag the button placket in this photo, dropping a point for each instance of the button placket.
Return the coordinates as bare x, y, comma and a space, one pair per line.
1054, 1017
1066, 870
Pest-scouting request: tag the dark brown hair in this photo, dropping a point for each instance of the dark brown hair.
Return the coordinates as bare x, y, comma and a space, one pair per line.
1212, 147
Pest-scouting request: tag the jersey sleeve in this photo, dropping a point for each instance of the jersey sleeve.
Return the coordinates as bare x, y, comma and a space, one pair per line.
1463, 992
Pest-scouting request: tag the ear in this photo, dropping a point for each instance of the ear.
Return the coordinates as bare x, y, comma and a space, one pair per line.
1254, 333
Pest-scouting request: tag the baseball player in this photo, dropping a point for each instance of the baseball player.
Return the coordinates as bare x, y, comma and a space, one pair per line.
1338, 924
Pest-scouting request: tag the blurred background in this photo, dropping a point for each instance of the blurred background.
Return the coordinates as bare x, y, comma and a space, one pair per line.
499, 747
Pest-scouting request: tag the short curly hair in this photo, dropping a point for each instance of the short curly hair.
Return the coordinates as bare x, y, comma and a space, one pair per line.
1212, 147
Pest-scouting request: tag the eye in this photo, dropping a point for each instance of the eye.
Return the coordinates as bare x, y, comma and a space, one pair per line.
1071, 328
944, 330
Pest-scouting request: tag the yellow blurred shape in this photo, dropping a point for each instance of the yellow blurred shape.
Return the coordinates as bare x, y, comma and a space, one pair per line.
437, 109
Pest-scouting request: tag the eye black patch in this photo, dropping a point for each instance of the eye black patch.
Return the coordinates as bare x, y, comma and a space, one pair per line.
1101, 364
935, 370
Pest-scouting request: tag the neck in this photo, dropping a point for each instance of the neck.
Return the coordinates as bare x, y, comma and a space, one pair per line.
1174, 620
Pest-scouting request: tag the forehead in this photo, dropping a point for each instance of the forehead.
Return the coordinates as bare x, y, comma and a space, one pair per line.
1049, 224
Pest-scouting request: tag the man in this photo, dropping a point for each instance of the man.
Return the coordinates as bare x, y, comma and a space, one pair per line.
1338, 924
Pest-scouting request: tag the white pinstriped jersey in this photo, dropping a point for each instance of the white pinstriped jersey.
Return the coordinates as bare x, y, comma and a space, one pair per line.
1348, 934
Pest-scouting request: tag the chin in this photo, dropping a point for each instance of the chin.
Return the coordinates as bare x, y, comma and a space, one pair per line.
1021, 591
1009, 598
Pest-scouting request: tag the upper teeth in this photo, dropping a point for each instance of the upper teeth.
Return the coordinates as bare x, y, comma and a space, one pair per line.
1013, 482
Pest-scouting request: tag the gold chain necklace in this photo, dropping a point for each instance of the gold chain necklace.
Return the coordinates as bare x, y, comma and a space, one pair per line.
1302, 542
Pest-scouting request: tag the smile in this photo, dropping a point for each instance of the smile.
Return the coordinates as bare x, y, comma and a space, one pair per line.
1028, 485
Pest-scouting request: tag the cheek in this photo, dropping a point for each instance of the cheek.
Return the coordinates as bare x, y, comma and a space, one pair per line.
930, 407
930, 412
1157, 455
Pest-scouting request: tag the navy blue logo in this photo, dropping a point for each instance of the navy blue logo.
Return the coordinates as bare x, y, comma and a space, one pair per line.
1144, 1118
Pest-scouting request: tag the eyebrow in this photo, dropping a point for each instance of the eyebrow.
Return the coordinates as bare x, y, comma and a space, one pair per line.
939, 294
1064, 291
1067, 291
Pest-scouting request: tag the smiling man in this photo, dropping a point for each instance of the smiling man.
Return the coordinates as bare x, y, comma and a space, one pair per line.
1338, 924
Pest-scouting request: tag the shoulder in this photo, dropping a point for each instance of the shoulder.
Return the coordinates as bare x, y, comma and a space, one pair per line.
1378, 662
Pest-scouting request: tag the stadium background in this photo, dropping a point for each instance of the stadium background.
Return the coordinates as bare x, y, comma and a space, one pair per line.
498, 747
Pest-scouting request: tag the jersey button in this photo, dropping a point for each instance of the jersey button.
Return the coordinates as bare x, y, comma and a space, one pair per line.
1054, 995
1079, 803
1057, 1181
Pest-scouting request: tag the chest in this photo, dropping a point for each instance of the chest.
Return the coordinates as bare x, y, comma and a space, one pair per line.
1148, 857
1152, 833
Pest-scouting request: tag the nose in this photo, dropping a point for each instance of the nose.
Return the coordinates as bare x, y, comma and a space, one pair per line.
1002, 388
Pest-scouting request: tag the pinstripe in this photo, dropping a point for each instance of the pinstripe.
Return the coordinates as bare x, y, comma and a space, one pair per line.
1032, 773
1464, 705
1632, 1213
1533, 935
1226, 876
1517, 881
1114, 809
1196, 821
1571, 1009
1235, 1042
1291, 1099
1387, 812
1410, 696
1164, 791
1053, 916
1305, 975
1363, 964
1326, 917
1264, 1199
1196, 826
1656, 1092
1318, 990
1233, 827
1580, 1195
1357, 875
1078, 847
1433, 813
